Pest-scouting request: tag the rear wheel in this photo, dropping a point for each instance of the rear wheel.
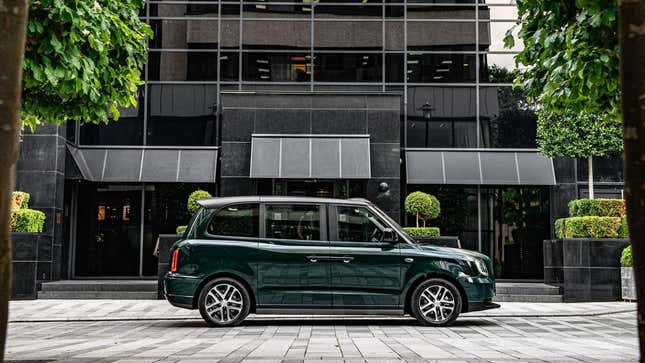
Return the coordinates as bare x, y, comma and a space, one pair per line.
436, 302
224, 302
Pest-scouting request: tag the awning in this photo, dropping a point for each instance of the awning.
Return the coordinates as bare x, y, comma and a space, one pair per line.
500, 167
146, 164
310, 156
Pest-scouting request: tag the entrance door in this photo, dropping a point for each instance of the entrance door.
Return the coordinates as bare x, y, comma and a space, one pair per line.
110, 226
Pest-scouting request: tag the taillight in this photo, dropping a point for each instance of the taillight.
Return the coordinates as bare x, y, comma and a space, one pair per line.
173, 261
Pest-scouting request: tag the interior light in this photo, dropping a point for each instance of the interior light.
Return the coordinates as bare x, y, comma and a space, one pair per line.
437, 77
413, 62
259, 6
443, 70
263, 61
465, 64
446, 62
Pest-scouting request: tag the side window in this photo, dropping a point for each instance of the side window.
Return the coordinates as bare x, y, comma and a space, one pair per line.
241, 220
301, 222
358, 224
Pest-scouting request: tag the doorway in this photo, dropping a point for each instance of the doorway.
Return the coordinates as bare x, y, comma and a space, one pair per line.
110, 226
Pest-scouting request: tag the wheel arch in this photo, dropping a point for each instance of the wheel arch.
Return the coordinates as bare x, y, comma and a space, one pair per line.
229, 275
420, 279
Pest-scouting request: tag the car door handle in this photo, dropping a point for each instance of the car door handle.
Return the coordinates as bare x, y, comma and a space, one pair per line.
347, 259
314, 258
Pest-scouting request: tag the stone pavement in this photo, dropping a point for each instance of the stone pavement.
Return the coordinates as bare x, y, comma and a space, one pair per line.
519, 332
70, 310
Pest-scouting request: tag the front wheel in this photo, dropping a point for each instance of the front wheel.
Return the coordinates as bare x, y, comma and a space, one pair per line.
224, 302
436, 302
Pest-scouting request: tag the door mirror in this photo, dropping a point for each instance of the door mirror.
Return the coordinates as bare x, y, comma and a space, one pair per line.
390, 236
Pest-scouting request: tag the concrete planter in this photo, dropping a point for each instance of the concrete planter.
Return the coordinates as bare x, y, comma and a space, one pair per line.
163, 253
627, 283
586, 269
31, 256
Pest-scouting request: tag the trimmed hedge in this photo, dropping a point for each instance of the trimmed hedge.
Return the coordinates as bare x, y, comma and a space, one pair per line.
181, 229
27, 220
19, 200
626, 259
623, 231
597, 207
422, 231
199, 194
588, 227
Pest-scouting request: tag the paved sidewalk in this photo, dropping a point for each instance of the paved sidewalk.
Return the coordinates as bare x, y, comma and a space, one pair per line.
99, 310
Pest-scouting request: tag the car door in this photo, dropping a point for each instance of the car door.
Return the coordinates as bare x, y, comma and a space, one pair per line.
365, 270
293, 268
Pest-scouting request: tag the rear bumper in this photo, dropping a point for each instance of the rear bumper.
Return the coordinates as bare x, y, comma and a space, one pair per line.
180, 290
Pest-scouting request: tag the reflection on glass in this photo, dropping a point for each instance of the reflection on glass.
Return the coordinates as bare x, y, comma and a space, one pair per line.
276, 67
453, 36
438, 68
348, 67
507, 119
128, 130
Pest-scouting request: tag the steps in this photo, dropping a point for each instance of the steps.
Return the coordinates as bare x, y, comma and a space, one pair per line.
99, 289
527, 292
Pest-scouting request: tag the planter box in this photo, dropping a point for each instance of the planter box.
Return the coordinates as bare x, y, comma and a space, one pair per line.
31, 255
163, 253
443, 241
586, 269
627, 283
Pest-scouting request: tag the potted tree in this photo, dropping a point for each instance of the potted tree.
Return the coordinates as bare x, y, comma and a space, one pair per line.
425, 207
627, 282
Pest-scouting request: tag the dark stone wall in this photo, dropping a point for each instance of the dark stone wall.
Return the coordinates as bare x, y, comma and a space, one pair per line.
40, 172
375, 114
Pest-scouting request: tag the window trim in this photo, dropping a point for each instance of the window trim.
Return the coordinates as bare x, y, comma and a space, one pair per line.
237, 238
322, 210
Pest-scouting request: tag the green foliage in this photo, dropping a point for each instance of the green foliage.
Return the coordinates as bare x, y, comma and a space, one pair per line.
199, 194
570, 56
423, 206
626, 259
422, 231
597, 207
181, 229
578, 135
623, 231
19, 200
83, 59
588, 227
27, 220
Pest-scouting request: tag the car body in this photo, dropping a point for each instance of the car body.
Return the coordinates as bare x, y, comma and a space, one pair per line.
271, 254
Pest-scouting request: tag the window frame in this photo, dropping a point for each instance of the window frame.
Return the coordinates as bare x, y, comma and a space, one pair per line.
238, 238
322, 211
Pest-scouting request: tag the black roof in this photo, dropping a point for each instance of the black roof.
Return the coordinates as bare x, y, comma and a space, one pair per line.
220, 202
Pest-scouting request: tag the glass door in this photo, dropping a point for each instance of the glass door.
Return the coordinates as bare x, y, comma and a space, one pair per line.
109, 238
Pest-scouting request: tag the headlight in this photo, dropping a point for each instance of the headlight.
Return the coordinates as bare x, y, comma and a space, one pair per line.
481, 267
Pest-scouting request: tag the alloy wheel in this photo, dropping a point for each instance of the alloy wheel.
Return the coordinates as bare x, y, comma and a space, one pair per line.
437, 303
224, 303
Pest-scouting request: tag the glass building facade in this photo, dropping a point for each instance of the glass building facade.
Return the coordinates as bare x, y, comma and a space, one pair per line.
444, 79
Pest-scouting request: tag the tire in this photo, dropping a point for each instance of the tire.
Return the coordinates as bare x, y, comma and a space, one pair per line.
224, 302
423, 302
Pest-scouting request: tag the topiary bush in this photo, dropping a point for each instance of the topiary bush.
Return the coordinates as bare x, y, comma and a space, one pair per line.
181, 229
588, 227
27, 220
19, 200
422, 231
424, 206
597, 207
199, 194
626, 259
623, 231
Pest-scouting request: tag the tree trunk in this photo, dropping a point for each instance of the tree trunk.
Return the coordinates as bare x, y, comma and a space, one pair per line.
417, 220
13, 26
631, 19
590, 162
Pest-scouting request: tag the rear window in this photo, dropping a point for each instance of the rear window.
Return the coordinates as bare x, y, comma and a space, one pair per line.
240, 220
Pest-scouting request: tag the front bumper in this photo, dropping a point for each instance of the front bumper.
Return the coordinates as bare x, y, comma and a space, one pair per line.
482, 305
479, 293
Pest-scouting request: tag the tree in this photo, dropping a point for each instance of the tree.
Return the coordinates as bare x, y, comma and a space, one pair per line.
423, 206
571, 70
13, 21
579, 135
632, 74
82, 61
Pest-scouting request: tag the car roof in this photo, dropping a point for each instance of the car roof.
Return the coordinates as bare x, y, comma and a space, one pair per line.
220, 202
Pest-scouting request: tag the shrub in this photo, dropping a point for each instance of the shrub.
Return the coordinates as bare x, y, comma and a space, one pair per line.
626, 259
181, 229
424, 206
27, 220
19, 200
597, 207
623, 231
559, 227
199, 194
588, 227
422, 231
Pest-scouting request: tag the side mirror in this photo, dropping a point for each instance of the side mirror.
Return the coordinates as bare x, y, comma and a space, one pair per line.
390, 236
